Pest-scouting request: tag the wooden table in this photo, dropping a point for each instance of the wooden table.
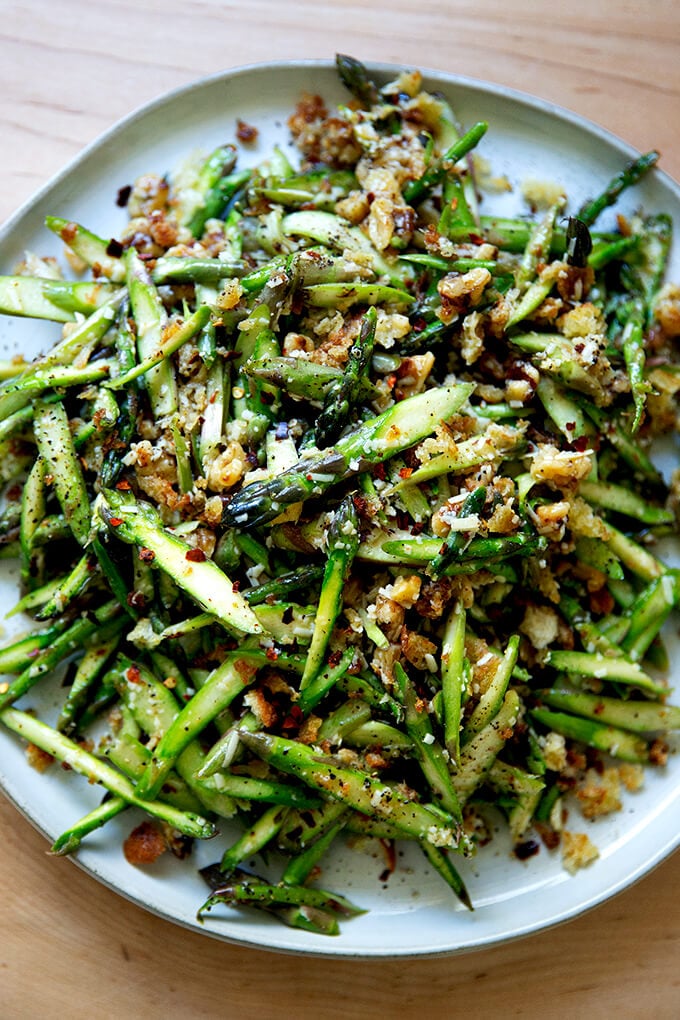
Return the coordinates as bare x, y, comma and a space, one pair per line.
68, 70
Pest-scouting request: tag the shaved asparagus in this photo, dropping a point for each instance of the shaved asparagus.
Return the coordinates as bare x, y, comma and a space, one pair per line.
394, 430
58, 300
63, 749
209, 586
339, 492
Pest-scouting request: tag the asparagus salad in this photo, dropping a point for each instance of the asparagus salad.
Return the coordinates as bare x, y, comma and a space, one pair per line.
333, 502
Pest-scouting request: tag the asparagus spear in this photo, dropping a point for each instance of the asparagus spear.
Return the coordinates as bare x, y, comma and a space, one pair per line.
150, 318
138, 524
210, 187
103, 256
428, 751
166, 346
415, 191
377, 439
253, 892
261, 832
630, 175
479, 754
193, 269
358, 790
343, 541
343, 395
636, 716
80, 760
15, 394
66, 641
58, 300
59, 458
457, 541
218, 692
354, 76
617, 742
69, 841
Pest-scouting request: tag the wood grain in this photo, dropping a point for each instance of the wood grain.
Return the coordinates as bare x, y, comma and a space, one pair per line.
70, 69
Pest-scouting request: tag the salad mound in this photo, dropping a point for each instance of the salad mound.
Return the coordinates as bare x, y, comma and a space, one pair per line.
334, 498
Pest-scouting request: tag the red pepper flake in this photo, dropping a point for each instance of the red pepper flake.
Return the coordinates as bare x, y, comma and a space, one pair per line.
293, 719
115, 522
405, 472
309, 477
147, 555
123, 486
235, 585
334, 658
570, 426
361, 505
195, 556
272, 654
133, 675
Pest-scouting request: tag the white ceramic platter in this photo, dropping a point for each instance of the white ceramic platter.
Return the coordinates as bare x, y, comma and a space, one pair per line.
413, 913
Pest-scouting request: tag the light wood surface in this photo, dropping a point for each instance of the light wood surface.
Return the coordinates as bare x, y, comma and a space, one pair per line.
68, 70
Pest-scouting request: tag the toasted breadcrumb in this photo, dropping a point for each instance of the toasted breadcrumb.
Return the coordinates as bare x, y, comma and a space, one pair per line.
144, 845
554, 748
37, 758
540, 624
599, 794
577, 851
564, 468
542, 194
632, 777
